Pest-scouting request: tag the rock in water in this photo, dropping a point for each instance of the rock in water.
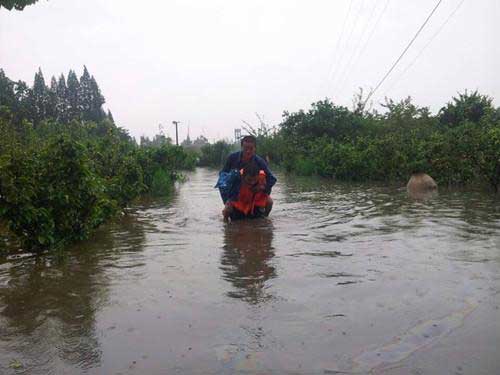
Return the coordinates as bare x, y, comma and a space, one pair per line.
421, 185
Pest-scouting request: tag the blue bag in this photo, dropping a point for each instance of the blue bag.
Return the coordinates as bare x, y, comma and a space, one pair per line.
228, 184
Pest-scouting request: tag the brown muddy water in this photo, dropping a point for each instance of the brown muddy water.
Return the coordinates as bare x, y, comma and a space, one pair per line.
340, 278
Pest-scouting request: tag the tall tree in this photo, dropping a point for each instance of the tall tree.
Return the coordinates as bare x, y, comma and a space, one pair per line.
73, 91
97, 101
7, 96
51, 109
24, 102
40, 96
62, 100
85, 95
110, 117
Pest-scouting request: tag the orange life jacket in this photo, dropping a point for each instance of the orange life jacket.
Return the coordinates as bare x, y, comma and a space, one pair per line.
248, 200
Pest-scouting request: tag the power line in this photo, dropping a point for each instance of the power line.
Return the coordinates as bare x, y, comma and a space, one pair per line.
375, 26
426, 45
343, 79
370, 35
403, 53
334, 66
349, 39
336, 57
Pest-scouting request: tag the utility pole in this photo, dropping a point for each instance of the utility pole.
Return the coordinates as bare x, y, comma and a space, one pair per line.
176, 132
237, 135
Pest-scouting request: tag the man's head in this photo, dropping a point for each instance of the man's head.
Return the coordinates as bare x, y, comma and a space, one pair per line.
248, 146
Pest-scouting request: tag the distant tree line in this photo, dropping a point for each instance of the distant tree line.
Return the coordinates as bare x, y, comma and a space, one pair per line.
62, 101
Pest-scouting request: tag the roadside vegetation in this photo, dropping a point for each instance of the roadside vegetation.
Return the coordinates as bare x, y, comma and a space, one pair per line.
460, 145
66, 167
215, 154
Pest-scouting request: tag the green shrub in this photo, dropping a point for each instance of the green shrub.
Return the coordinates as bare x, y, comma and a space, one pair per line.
304, 167
127, 182
162, 183
52, 197
458, 146
487, 157
214, 155
64, 171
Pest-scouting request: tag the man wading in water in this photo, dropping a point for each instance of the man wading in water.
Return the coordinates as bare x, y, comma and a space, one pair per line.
250, 196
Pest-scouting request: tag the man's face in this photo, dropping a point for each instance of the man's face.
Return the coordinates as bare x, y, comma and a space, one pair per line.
248, 149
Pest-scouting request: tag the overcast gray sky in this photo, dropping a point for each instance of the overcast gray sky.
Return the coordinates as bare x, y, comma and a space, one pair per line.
211, 64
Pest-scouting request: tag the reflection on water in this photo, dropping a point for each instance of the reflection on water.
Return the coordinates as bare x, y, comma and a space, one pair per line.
246, 256
339, 211
340, 278
422, 195
48, 303
53, 301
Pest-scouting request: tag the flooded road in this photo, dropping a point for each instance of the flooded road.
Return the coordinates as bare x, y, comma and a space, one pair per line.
340, 278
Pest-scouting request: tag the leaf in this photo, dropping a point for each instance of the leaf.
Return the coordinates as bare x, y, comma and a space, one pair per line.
15, 364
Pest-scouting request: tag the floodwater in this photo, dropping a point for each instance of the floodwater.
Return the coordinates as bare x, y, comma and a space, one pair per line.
341, 278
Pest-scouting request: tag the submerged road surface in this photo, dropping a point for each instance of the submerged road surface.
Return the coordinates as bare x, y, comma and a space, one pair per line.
340, 278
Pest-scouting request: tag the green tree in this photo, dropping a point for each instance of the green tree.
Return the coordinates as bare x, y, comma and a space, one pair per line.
73, 96
7, 96
16, 4
85, 95
62, 105
466, 107
23, 109
51, 108
323, 119
110, 116
40, 97
96, 101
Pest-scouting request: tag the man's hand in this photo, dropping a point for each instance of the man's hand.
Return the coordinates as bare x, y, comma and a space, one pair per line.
226, 212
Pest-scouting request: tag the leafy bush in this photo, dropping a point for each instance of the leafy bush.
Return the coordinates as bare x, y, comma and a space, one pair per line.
161, 184
66, 167
460, 145
304, 167
466, 107
52, 197
215, 154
